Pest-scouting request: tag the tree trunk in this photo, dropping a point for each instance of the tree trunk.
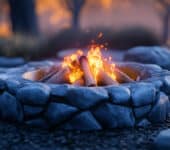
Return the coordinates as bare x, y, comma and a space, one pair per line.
166, 26
23, 16
75, 20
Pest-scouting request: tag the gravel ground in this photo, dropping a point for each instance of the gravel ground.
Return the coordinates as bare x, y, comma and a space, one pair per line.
14, 137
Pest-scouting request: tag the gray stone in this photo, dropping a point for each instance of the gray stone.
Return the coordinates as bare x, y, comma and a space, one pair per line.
119, 94
143, 94
166, 84
113, 116
158, 84
34, 94
58, 112
153, 68
143, 123
59, 90
32, 111
85, 97
160, 110
83, 121
13, 86
10, 108
155, 55
11, 62
2, 85
142, 111
37, 123
161, 142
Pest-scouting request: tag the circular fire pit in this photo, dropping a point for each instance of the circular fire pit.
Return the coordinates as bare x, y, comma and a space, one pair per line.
25, 100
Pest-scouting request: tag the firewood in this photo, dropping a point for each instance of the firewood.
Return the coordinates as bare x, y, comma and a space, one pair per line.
122, 77
79, 82
51, 71
60, 77
105, 79
88, 77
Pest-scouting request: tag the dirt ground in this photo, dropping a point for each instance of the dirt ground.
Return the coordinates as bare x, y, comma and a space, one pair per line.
13, 137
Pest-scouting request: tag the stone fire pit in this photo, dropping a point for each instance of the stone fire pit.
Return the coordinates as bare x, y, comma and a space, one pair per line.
65, 106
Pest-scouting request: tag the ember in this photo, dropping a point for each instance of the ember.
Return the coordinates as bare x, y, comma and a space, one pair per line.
88, 69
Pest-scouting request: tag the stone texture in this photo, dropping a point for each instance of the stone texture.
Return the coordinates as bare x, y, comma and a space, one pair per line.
37, 123
161, 142
83, 121
34, 94
143, 94
10, 108
153, 68
30, 111
119, 94
113, 116
2, 85
166, 84
58, 112
85, 97
13, 86
142, 111
143, 123
158, 84
160, 110
59, 90
11, 62
155, 55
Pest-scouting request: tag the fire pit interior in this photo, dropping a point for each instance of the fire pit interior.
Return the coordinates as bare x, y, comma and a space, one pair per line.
81, 69
85, 92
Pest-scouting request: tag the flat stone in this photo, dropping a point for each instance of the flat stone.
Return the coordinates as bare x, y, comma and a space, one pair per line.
142, 111
10, 108
158, 84
160, 110
85, 97
2, 85
155, 55
13, 86
143, 94
37, 123
59, 90
166, 84
58, 112
143, 123
34, 94
83, 121
119, 94
113, 116
11, 62
153, 68
32, 111
161, 142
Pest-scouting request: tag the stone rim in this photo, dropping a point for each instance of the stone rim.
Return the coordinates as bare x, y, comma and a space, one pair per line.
138, 111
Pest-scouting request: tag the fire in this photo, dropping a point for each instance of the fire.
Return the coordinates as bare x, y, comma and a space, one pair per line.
73, 64
96, 63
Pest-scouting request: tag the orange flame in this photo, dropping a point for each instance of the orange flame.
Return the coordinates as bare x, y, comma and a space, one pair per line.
73, 64
96, 62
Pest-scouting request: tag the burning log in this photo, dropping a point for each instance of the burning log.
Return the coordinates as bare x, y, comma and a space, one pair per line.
88, 77
79, 82
105, 79
52, 71
60, 77
122, 77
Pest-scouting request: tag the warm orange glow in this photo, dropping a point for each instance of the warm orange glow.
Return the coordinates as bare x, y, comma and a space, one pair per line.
96, 62
5, 30
106, 3
73, 64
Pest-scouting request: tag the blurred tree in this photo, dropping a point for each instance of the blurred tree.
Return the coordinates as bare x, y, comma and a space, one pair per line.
75, 7
23, 16
165, 6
